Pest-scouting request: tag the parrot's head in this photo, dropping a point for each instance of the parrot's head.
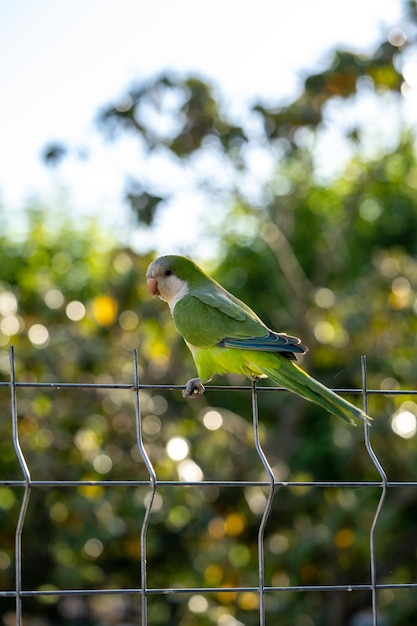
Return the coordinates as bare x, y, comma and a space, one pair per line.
171, 277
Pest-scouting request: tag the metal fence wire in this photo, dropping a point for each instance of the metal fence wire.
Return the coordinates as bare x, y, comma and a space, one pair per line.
143, 591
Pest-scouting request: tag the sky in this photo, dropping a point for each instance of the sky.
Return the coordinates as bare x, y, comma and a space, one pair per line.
62, 61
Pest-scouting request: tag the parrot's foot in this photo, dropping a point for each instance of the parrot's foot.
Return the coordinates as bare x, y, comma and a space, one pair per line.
193, 388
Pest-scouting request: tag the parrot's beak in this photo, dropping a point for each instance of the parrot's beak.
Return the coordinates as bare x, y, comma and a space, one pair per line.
152, 286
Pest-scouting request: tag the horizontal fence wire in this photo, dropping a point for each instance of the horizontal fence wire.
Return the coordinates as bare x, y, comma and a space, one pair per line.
142, 590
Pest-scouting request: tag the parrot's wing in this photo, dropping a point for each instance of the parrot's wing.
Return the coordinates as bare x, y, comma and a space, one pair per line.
206, 317
221, 301
272, 342
211, 317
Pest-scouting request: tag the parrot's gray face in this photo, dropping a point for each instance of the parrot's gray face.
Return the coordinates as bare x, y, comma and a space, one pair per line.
163, 283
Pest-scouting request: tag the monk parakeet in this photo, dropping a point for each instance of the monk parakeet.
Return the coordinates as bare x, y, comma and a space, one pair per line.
225, 336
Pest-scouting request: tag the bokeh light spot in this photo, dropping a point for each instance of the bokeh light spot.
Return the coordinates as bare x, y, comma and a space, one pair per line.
404, 423
4, 560
157, 405
213, 574
344, 538
104, 309
179, 516
177, 448
102, 463
278, 544
75, 310
151, 425
58, 512
401, 294
39, 335
397, 37
54, 299
324, 298
93, 548
128, 320
212, 420
239, 555
7, 498
189, 470
217, 528
248, 601
86, 441
10, 325
370, 209
198, 604
256, 499
122, 263
324, 332
8, 303
235, 524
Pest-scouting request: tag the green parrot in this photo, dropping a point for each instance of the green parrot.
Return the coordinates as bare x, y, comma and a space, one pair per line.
225, 336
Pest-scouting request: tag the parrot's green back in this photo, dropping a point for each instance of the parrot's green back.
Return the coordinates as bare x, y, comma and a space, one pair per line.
204, 319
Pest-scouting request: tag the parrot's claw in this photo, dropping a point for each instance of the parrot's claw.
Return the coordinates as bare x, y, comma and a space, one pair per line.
193, 388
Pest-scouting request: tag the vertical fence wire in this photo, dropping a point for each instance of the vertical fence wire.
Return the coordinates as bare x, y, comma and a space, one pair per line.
268, 504
384, 485
26, 492
149, 500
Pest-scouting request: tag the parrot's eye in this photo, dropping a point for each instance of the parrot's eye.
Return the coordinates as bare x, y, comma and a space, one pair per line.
168, 273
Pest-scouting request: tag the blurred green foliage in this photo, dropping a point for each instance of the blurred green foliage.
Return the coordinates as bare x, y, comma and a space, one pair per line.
331, 261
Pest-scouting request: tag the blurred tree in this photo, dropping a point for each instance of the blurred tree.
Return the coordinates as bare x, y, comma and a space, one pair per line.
329, 257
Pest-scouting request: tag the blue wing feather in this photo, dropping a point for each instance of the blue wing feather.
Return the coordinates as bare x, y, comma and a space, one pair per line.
273, 342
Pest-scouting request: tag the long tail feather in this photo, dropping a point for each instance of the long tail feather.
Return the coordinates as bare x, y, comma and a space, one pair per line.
295, 379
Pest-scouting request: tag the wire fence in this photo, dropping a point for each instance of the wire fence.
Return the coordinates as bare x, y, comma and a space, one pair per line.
143, 590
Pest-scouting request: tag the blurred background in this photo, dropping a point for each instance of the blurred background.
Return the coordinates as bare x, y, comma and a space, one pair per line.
276, 145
